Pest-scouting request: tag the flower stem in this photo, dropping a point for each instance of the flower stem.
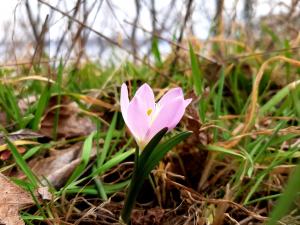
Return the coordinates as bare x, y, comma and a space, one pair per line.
132, 192
129, 204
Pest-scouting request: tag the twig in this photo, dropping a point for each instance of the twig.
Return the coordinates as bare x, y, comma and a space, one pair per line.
41, 61
32, 23
137, 11
171, 42
106, 38
237, 58
86, 14
13, 33
218, 201
187, 15
69, 27
248, 219
87, 36
82, 24
39, 42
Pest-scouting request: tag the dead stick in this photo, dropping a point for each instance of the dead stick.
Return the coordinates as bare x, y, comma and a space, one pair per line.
106, 38
218, 201
171, 42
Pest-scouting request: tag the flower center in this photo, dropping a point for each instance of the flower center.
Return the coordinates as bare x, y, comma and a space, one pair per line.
158, 107
149, 112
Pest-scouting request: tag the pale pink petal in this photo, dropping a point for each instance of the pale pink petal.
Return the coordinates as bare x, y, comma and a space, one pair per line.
124, 101
169, 116
187, 102
170, 95
146, 94
137, 119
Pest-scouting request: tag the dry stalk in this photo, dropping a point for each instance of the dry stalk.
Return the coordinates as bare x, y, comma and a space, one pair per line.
251, 109
218, 201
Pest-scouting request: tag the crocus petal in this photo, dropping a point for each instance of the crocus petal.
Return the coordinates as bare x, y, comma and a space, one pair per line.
124, 102
170, 95
187, 102
169, 116
146, 94
137, 119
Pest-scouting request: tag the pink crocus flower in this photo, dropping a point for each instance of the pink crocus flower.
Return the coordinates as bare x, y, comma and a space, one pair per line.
145, 118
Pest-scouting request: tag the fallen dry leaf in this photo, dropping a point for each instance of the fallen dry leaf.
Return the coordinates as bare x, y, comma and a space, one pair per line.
193, 121
44, 193
69, 124
196, 98
20, 135
23, 103
149, 216
58, 167
11, 197
3, 119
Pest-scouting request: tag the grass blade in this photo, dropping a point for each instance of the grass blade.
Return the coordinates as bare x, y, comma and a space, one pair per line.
220, 149
197, 81
262, 151
286, 199
59, 84
108, 139
40, 108
219, 100
86, 152
273, 35
112, 162
116, 142
37, 204
275, 99
21, 162
156, 53
14, 105
99, 185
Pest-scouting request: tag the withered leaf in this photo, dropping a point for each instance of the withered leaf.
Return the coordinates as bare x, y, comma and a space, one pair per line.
195, 97
11, 197
69, 124
150, 216
20, 135
3, 119
23, 103
57, 168
44, 193
193, 121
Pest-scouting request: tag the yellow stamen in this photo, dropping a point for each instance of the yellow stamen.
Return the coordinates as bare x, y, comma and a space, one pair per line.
149, 112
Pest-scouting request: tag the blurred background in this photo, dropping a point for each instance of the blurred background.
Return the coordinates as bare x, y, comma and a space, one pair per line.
106, 30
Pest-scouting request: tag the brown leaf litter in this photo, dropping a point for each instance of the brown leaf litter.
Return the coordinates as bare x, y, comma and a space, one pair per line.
147, 216
69, 124
58, 166
12, 197
20, 135
193, 121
